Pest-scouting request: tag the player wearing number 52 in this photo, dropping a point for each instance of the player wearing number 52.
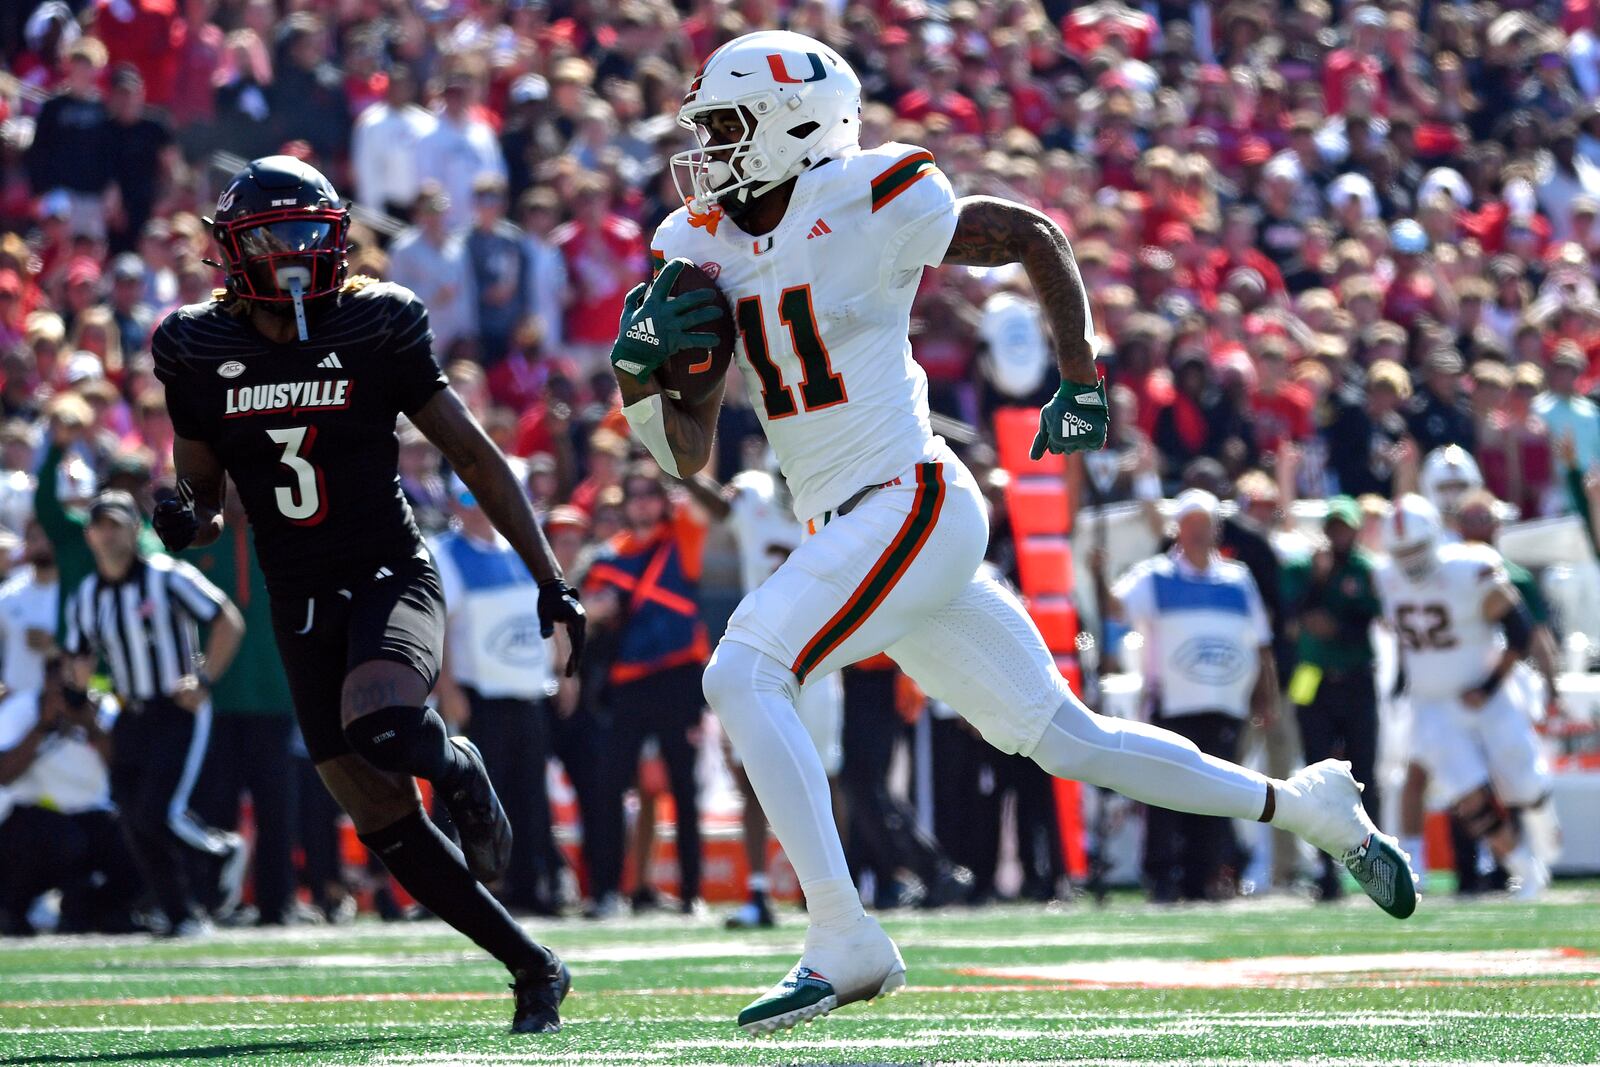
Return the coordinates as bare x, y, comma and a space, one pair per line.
287, 383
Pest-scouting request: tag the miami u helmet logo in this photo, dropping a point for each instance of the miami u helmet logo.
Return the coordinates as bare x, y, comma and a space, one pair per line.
780, 72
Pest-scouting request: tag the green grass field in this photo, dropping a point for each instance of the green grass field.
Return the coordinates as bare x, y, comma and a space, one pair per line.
1275, 981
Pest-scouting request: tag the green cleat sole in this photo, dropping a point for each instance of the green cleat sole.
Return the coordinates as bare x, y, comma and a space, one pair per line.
1384, 872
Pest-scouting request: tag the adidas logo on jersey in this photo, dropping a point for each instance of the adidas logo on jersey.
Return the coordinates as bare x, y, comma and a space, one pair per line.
1072, 426
293, 397
331, 362
644, 331
818, 230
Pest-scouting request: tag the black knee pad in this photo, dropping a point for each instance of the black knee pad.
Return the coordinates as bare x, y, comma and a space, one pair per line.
1481, 813
404, 740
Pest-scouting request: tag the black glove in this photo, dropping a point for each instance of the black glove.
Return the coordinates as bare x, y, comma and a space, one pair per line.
558, 602
175, 521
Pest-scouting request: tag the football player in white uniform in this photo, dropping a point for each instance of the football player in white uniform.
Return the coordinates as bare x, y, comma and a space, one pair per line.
757, 506
818, 245
1448, 474
1464, 631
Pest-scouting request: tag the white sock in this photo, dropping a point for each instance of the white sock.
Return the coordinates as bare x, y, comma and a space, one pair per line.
756, 883
1412, 845
1148, 764
753, 695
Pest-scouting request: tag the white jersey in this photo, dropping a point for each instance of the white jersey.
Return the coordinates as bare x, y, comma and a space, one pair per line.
25, 604
1446, 644
823, 309
762, 525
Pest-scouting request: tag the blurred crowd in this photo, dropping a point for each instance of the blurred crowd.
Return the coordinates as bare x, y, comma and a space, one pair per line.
1321, 240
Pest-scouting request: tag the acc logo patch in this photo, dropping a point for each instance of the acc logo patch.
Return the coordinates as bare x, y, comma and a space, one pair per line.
231, 369
1210, 660
711, 270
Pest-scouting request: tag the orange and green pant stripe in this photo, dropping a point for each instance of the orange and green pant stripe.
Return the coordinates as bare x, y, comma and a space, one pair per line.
884, 575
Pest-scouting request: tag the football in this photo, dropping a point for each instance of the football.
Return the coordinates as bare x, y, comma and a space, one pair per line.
693, 374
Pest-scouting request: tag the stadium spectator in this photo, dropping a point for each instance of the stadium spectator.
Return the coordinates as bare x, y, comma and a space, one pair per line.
605, 254
69, 151
383, 147
498, 685
501, 269
1330, 605
1205, 697
461, 146
432, 262
141, 156
307, 97
645, 587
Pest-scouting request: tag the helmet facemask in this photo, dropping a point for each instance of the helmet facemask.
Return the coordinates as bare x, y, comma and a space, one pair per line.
732, 166
293, 256
1417, 559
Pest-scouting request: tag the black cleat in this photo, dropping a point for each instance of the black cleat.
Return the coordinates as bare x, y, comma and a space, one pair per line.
539, 996
480, 820
753, 914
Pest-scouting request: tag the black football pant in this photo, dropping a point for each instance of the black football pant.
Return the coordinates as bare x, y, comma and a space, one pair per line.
513, 735
1185, 854
580, 741
251, 754
1342, 722
884, 833
668, 706
157, 752
83, 855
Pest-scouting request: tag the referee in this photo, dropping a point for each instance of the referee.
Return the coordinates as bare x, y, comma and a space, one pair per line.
140, 614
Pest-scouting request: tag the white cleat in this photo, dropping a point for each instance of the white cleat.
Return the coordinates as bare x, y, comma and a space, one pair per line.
834, 970
1529, 875
1322, 803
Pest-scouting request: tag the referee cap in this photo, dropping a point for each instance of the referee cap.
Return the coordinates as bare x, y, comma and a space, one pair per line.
1191, 501
117, 505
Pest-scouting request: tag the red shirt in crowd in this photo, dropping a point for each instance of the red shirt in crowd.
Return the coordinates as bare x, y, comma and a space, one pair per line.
1343, 67
1087, 30
603, 263
147, 34
963, 114
1282, 415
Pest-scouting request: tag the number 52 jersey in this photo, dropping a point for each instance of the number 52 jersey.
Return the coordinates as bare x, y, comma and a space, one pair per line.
305, 429
1446, 644
822, 306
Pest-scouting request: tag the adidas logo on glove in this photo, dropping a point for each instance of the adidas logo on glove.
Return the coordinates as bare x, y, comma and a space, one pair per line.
644, 331
1072, 426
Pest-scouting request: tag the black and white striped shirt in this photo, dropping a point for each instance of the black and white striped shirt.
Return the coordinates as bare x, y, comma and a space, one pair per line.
146, 625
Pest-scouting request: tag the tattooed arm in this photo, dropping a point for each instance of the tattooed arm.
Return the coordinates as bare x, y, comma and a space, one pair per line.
690, 429
991, 232
446, 422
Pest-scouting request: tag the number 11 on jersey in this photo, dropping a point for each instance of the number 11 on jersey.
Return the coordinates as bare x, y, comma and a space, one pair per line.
306, 503
820, 387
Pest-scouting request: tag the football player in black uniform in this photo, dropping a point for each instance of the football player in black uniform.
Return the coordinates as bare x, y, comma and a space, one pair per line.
289, 383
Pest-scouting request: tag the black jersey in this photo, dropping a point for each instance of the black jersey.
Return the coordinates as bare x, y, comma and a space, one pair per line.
306, 429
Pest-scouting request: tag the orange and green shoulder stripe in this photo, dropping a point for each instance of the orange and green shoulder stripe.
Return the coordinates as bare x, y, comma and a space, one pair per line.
901, 175
658, 259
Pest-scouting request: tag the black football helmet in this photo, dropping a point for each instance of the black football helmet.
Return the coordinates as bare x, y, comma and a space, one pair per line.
284, 234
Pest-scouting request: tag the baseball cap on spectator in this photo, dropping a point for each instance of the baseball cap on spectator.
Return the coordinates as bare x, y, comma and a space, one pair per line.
56, 204
529, 88
83, 270
126, 76
1367, 15
1585, 207
1443, 360
1387, 374
1408, 238
565, 515
44, 326
127, 267
1284, 167
1446, 179
432, 198
1343, 509
1193, 502
132, 467
83, 367
1254, 151
1527, 376
1357, 186
1568, 354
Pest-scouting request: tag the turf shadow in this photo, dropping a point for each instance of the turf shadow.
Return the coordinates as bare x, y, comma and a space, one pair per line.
229, 1053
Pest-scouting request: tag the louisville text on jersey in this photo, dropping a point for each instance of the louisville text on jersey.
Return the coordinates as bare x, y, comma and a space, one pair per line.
291, 397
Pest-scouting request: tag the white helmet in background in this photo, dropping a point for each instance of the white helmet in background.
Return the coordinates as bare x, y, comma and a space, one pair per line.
1449, 474
1411, 536
797, 100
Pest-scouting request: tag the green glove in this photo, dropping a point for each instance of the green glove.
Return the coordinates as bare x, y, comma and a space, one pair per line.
657, 325
1075, 420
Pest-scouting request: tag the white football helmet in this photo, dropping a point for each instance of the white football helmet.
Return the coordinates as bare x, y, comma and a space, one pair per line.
797, 100
1449, 474
1411, 536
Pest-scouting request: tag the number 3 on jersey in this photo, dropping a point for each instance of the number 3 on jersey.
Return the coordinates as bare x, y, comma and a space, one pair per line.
307, 503
820, 387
